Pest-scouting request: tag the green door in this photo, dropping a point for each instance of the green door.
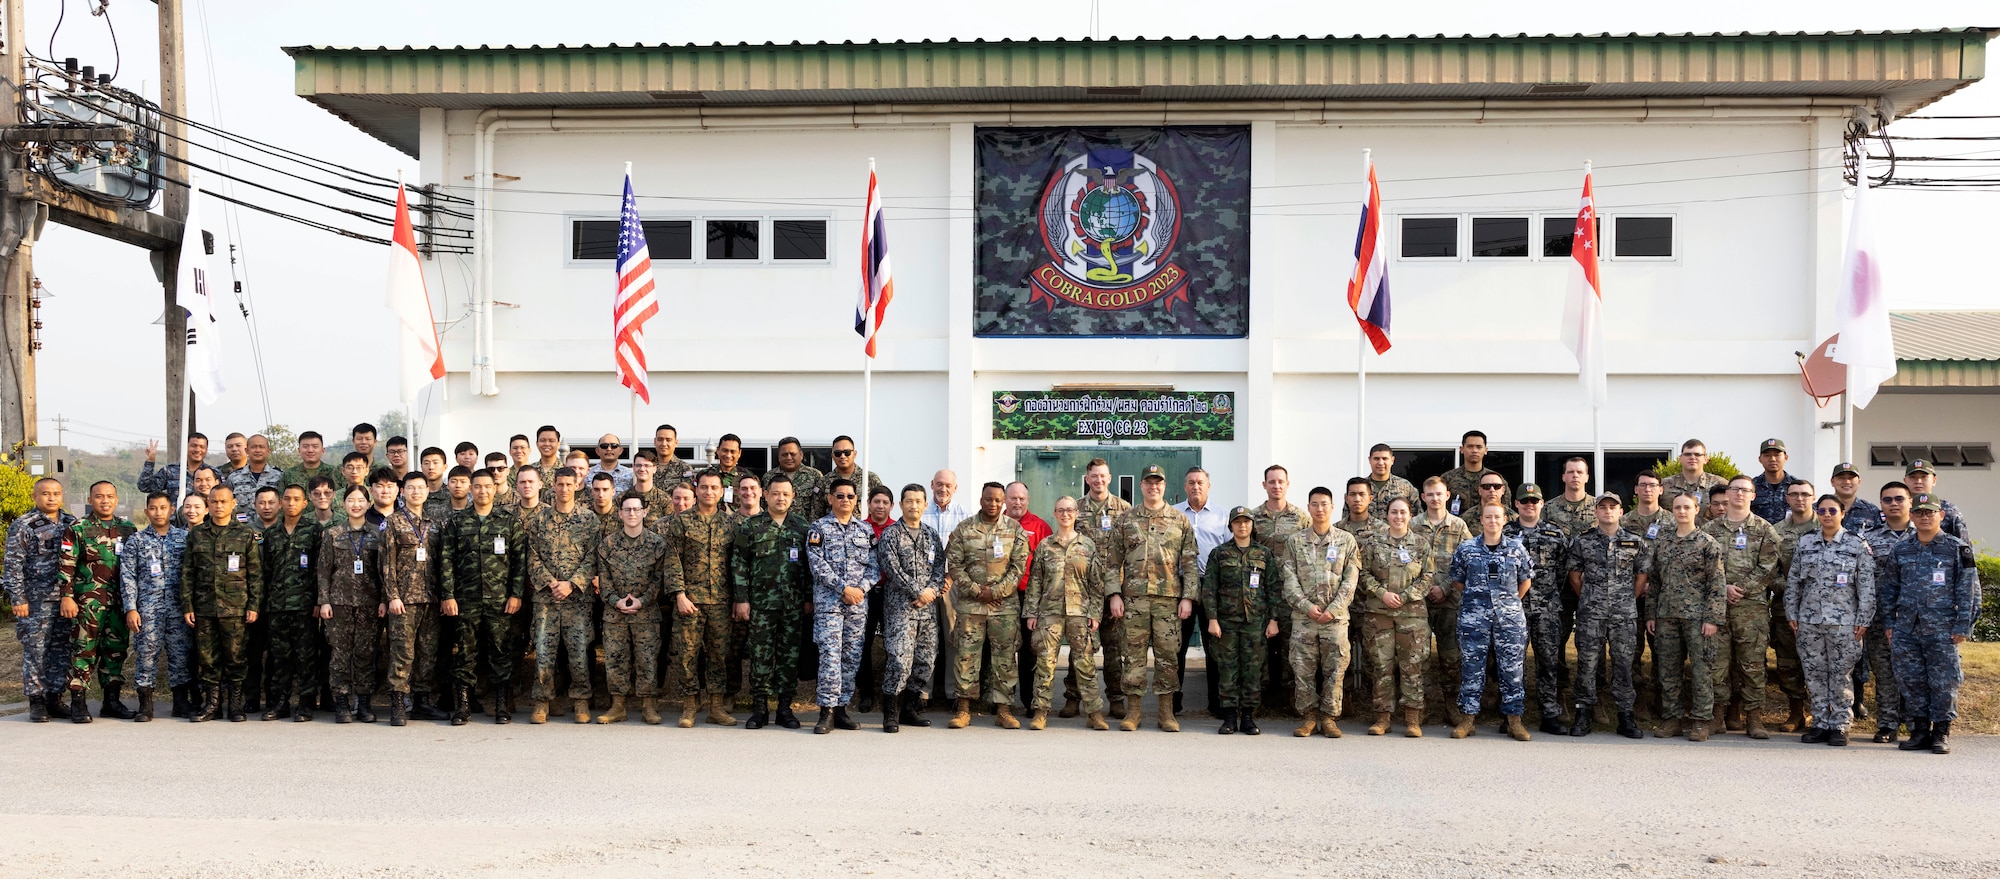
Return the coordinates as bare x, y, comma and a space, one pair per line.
1053, 471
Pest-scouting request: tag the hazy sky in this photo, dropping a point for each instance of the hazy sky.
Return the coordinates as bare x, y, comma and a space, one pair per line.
328, 344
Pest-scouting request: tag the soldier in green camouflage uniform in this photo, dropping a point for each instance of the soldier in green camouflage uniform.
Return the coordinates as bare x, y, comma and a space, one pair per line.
88, 578
697, 583
1318, 573
631, 566
671, 470
561, 542
1750, 568
484, 580
808, 482
1237, 586
1065, 596
291, 589
1097, 513
1151, 576
1693, 480
728, 459
1384, 486
1573, 509
1272, 524
1686, 611
659, 498
1396, 574
770, 584
1785, 642
222, 585
847, 465
352, 601
985, 558
1442, 533
1461, 483
410, 579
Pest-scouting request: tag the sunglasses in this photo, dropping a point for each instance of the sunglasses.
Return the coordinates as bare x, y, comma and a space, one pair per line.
1894, 500
842, 496
843, 453
610, 445
1488, 486
1829, 511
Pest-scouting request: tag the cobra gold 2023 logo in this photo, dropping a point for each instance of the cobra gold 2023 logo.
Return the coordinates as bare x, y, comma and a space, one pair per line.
1110, 219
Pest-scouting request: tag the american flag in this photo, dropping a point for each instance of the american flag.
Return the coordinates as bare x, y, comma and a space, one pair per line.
878, 285
635, 302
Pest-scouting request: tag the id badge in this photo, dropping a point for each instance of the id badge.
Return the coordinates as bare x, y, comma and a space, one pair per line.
1104, 523
792, 554
1332, 554
1741, 541
729, 494
999, 551
305, 561
236, 562
357, 567
1256, 579
117, 545
1840, 578
1937, 577
157, 570
1403, 555
1454, 506
499, 546
423, 555
1653, 531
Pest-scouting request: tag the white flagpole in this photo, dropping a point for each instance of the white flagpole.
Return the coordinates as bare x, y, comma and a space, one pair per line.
867, 369
187, 427
1596, 409
1361, 360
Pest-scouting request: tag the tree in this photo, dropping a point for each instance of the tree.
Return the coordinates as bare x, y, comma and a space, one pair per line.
284, 447
393, 423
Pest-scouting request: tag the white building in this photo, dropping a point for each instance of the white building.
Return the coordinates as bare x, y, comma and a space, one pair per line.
1718, 176
1943, 406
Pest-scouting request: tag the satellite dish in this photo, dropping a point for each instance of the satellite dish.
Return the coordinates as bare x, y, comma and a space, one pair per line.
1821, 377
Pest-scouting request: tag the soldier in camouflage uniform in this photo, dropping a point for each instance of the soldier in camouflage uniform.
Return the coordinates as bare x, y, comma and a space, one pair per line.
698, 586
1693, 480
631, 566
168, 478
1750, 572
847, 465
1442, 533
1882, 537
222, 585
88, 579
1097, 513
659, 499
1771, 485
913, 564
1548, 623
149, 577
1461, 483
728, 459
1607, 573
1647, 519
1571, 511
1150, 574
1492, 573
1236, 587
290, 560
1384, 486
808, 482
771, 586
352, 599
484, 577
256, 472
672, 470
1829, 600
1396, 574
840, 549
411, 580
1361, 523
34, 553
1784, 641
985, 558
1317, 576
561, 541
1686, 610
1932, 598
1065, 596
1272, 524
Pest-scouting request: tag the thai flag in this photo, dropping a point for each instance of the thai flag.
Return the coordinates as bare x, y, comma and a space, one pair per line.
1368, 289
878, 285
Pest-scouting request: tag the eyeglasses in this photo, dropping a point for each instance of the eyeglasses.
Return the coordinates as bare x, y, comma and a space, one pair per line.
1740, 489
1798, 494
843, 453
1829, 511
842, 495
1894, 501
610, 445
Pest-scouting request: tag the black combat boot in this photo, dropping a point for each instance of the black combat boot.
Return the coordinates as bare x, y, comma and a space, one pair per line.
892, 710
79, 707
760, 714
1920, 736
364, 709
502, 713
786, 718
1553, 725
58, 703
38, 710
461, 706
1228, 727
211, 705
422, 707
236, 707
279, 709
1628, 726
145, 712
1941, 737
398, 715
825, 724
341, 712
302, 707
183, 706
865, 702
1580, 725
112, 706
1815, 736
1246, 720
1837, 738
841, 720
912, 713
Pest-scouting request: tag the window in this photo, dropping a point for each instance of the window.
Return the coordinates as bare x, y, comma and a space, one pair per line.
1430, 238
732, 239
598, 239
1500, 237
1559, 235
798, 239
1644, 237
1622, 471
1977, 456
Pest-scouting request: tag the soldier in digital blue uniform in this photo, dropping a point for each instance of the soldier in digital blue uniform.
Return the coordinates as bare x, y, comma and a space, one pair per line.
1882, 537
840, 547
1932, 596
149, 580
1491, 573
33, 555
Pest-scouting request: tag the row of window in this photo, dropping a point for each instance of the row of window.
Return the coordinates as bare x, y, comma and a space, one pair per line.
734, 239
1513, 237
1973, 455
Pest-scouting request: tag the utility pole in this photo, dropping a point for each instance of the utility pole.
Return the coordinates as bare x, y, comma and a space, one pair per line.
173, 147
19, 222
59, 429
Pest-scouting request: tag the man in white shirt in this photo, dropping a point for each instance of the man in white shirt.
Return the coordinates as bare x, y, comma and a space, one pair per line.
1211, 529
943, 514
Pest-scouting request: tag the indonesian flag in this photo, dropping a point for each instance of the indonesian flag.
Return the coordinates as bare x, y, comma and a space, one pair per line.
1368, 287
1866, 344
1583, 319
422, 357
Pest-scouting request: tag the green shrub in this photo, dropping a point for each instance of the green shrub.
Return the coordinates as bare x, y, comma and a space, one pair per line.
1987, 627
1718, 464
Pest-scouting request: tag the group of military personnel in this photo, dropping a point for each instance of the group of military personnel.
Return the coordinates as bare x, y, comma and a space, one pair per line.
341, 583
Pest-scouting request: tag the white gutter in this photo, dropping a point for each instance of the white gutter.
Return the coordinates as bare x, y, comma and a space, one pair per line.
490, 123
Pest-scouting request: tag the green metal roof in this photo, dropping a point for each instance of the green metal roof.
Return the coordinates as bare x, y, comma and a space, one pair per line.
380, 90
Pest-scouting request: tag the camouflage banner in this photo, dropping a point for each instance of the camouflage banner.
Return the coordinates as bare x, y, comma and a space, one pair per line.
1113, 232
1098, 415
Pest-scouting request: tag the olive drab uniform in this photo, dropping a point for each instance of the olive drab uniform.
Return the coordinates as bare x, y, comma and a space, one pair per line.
1150, 563
222, 576
561, 547
1319, 570
291, 590
1065, 595
989, 557
1238, 586
1095, 519
411, 573
1272, 530
88, 574
1830, 591
631, 567
697, 567
34, 552
1442, 536
485, 564
809, 487
1750, 563
351, 562
768, 571
1606, 608
1687, 592
1397, 640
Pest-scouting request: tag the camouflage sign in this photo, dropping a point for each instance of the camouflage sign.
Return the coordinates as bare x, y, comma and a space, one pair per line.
1113, 232
1100, 415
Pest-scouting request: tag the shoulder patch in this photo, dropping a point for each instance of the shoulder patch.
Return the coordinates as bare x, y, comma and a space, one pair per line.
812, 538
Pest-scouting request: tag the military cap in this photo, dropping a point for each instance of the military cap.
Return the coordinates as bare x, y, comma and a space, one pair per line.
1920, 466
1846, 467
1609, 497
1236, 513
1926, 503
1152, 471
1529, 492
1771, 445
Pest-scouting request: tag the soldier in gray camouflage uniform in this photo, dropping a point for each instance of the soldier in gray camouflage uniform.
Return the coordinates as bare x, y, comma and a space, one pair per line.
149, 576
1607, 572
840, 549
34, 551
1548, 630
1829, 600
912, 559
631, 565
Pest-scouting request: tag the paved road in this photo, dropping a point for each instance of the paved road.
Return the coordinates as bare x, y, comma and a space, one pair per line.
262, 799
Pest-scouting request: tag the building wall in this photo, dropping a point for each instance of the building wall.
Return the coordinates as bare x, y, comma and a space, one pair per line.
1699, 344
1924, 419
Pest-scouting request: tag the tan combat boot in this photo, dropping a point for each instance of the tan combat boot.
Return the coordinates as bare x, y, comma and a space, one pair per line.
1308, 726
1413, 723
689, 705
1753, 724
1097, 721
961, 714
1131, 720
649, 709
1071, 707
1463, 727
1698, 732
540, 713
1732, 720
580, 708
1381, 724
1167, 721
1797, 721
1040, 720
1329, 726
1003, 717
617, 712
718, 710
1515, 729
1670, 729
